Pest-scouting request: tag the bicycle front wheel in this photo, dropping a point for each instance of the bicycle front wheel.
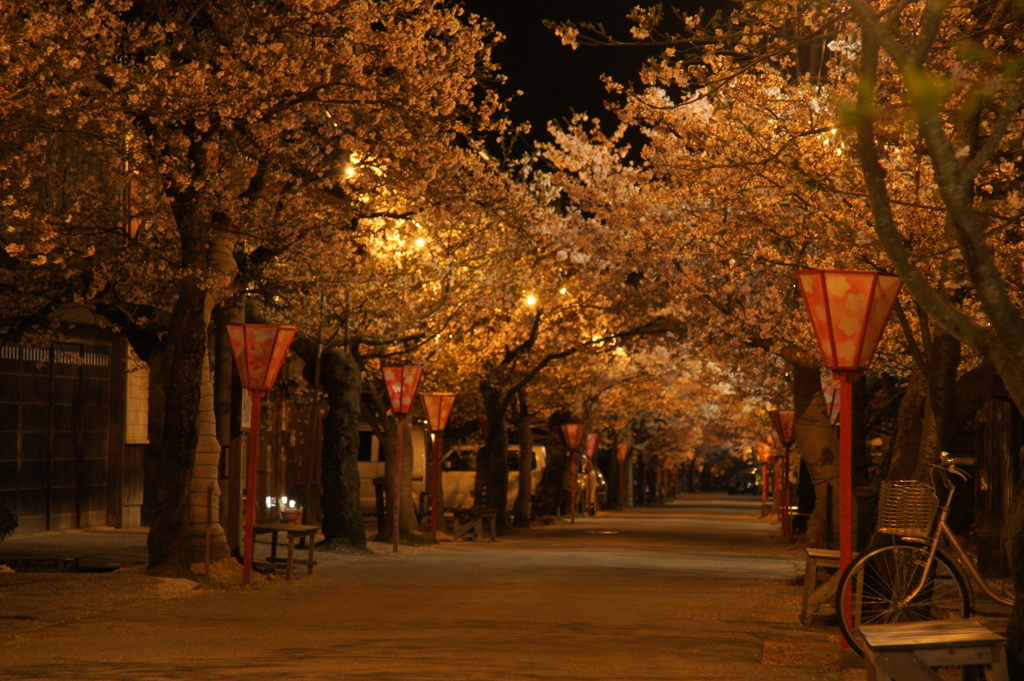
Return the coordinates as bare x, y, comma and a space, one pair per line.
874, 586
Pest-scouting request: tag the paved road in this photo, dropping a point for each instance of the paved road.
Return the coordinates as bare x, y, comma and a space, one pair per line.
700, 589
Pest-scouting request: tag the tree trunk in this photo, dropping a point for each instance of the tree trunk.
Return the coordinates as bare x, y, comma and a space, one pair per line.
494, 467
205, 472
342, 516
926, 421
407, 510
205, 476
169, 541
550, 491
524, 498
910, 424
819, 446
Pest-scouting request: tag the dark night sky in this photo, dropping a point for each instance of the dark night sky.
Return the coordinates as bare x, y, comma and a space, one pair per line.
556, 80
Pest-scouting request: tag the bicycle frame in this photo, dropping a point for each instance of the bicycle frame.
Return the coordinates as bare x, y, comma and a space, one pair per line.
941, 534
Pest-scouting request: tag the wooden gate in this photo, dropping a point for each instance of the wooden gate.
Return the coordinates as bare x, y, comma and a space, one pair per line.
54, 434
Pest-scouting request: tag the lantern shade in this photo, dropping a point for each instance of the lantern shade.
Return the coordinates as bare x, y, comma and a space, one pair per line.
437, 407
848, 312
783, 420
402, 383
259, 350
591, 445
572, 432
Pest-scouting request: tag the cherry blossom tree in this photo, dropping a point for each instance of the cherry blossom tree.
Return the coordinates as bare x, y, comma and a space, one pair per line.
229, 127
920, 103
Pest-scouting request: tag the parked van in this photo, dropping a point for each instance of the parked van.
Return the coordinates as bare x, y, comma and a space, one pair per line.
372, 465
458, 474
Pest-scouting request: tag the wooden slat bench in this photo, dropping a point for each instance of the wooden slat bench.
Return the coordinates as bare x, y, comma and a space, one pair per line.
817, 592
293, 532
472, 523
907, 651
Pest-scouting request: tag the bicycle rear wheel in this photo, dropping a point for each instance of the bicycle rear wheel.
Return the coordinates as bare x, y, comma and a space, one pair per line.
873, 586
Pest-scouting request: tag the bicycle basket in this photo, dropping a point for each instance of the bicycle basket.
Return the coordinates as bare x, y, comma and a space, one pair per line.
906, 507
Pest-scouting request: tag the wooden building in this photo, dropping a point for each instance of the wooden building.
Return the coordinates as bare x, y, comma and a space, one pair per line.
72, 432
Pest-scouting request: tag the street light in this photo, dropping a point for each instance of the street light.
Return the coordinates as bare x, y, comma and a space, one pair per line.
401, 382
849, 311
784, 420
259, 351
572, 432
437, 407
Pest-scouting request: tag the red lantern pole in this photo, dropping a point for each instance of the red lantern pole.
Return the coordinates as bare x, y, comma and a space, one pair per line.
591, 493
401, 384
396, 486
763, 457
785, 434
259, 351
250, 484
571, 432
849, 311
846, 380
435, 478
437, 407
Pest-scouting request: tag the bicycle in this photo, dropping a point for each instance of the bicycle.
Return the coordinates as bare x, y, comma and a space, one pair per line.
925, 574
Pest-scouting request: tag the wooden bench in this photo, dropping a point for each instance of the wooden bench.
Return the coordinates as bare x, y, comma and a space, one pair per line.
907, 651
293, 533
818, 591
472, 523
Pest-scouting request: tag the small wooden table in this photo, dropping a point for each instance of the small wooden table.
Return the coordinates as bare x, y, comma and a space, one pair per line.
907, 651
293, 532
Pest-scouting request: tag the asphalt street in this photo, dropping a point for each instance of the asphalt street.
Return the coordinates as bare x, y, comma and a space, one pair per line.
702, 588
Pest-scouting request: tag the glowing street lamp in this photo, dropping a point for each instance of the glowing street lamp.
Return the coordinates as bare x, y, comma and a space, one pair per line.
401, 383
572, 433
259, 351
437, 407
783, 421
849, 311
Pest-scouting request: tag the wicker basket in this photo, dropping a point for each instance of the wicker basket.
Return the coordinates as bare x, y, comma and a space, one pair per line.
907, 508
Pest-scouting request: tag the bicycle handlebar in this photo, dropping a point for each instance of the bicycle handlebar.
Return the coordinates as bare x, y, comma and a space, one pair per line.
949, 464
950, 460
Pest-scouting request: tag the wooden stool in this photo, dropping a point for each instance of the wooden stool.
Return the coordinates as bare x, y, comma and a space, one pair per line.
814, 593
293, 532
907, 651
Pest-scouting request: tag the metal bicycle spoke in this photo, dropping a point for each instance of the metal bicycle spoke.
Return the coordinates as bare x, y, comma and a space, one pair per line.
874, 588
